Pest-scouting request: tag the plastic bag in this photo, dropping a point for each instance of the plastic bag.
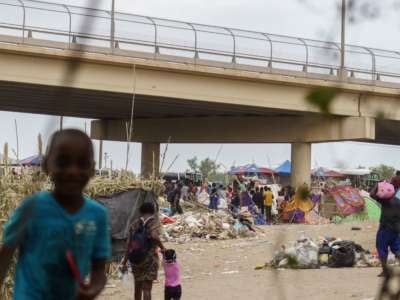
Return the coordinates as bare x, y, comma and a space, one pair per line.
342, 255
127, 282
307, 255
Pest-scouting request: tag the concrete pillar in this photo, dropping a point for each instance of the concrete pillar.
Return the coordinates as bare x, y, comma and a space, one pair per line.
150, 159
301, 164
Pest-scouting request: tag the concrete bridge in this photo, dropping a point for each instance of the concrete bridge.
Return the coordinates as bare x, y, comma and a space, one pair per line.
193, 83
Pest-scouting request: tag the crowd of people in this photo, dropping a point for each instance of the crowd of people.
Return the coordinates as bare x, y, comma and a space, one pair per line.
235, 196
74, 230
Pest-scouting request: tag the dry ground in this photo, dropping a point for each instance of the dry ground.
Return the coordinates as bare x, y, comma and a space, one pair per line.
222, 270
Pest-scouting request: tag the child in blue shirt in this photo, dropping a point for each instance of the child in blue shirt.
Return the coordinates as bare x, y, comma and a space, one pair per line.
47, 225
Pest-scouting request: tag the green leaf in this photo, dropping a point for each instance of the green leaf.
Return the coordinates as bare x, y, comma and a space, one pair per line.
322, 98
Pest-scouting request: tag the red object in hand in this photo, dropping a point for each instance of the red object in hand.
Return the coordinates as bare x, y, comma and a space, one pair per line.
73, 267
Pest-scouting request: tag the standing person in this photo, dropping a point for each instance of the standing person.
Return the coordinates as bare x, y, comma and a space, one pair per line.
141, 251
175, 200
185, 190
214, 200
259, 199
245, 198
169, 187
389, 225
396, 181
235, 202
221, 191
48, 227
173, 288
268, 199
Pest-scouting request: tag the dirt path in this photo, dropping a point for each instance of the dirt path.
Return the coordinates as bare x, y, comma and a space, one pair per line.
225, 269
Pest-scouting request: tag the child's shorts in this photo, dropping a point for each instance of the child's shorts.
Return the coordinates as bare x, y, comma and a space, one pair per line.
386, 238
173, 292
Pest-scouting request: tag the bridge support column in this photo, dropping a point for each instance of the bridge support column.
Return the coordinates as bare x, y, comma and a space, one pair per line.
301, 164
150, 159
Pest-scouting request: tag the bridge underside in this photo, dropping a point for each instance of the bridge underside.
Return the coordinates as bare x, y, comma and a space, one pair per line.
189, 121
92, 104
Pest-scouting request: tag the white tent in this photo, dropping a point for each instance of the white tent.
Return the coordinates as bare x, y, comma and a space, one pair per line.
353, 172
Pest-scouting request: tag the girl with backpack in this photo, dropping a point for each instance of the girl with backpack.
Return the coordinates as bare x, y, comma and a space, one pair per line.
143, 241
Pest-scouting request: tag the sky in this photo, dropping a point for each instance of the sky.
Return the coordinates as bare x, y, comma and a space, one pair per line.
304, 18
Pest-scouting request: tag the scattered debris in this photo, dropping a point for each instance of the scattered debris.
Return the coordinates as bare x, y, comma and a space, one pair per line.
328, 252
205, 224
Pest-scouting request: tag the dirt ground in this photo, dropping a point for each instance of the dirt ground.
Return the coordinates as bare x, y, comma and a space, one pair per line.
223, 270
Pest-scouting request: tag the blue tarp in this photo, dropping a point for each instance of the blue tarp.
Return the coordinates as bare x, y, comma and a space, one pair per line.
284, 168
250, 169
34, 160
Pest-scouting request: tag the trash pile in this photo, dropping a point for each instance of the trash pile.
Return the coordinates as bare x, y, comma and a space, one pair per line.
328, 252
216, 225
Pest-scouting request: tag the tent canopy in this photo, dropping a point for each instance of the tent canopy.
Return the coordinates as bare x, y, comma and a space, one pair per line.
285, 168
353, 172
251, 168
34, 160
324, 172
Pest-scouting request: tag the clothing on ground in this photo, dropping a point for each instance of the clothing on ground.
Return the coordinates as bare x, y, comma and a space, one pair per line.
44, 231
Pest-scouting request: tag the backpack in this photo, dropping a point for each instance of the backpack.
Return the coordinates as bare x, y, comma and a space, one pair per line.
139, 244
385, 190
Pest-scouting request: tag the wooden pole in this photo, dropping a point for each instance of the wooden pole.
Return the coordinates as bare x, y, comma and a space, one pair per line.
164, 154
173, 162
16, 134
100, 154
40, 145
342, 72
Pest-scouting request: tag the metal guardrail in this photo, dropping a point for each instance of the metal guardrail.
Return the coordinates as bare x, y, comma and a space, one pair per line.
31, 19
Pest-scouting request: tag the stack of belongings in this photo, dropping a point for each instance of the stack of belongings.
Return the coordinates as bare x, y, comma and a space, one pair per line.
245, 224
301, 203
328, 252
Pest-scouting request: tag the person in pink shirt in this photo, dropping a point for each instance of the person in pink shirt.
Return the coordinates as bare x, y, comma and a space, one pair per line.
173, 288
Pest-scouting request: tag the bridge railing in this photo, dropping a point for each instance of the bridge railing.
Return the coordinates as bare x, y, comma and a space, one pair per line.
68, 26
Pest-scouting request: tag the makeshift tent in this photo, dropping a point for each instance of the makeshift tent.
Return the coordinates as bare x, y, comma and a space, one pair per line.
123, 209
300, 204
34, 160
371, 212
353, 172
324, 172
341, 200
250, 169
284, 168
